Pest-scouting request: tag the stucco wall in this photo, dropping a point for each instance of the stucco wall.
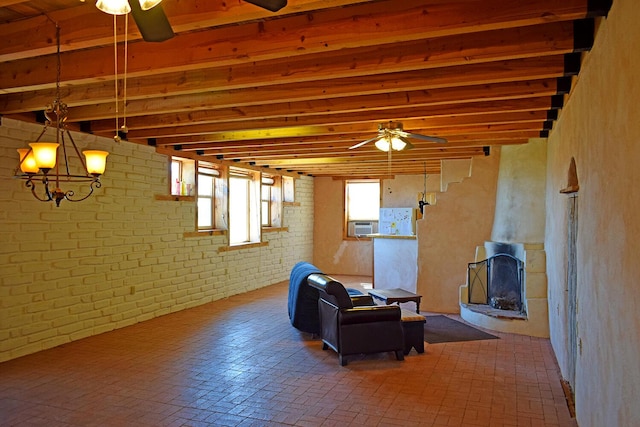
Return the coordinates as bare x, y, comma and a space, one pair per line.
450, 231
600, 127
332, 254
520, 208
119, 257
402, 191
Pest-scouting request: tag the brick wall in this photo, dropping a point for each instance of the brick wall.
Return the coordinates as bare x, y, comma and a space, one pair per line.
119, 257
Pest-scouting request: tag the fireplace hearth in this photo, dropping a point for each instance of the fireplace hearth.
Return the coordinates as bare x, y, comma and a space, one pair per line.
506, 289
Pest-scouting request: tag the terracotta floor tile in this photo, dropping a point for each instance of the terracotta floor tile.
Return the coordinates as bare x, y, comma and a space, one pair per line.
239, 362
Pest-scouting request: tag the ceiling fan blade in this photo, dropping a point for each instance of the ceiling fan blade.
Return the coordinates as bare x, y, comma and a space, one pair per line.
153, 23
270, 5
360, 144
422, 137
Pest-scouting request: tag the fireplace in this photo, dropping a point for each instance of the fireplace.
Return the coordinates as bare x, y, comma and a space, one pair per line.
500, 286
506, 289
497, 281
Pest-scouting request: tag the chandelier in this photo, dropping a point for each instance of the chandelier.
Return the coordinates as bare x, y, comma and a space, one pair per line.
42, 166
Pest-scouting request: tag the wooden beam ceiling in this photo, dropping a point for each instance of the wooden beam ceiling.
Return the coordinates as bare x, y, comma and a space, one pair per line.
293, 90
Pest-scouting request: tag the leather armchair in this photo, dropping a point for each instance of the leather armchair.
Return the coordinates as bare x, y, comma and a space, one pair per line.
355, 325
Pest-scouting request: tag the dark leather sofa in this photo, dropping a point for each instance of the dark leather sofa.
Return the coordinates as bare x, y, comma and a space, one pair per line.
355, 325
302, 301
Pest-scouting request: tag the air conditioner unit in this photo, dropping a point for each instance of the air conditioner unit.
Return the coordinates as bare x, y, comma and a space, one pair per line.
362, 228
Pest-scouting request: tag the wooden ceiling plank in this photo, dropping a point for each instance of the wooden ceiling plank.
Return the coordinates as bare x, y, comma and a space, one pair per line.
459, 123
84, 26
146, 59
263, 91
487, 133
344, 105
354, 122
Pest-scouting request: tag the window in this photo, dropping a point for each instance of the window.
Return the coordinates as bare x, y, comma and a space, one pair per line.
267, 189
271, 200
208, 182
244, 207
182, 176
288, 189
362, 207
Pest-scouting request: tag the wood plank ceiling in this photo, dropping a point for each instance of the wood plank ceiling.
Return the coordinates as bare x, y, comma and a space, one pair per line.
293, 90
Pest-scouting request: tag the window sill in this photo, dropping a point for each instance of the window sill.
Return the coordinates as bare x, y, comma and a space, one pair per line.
205, 233
274, 229
242, 246
290, 203
174, 198
357, 239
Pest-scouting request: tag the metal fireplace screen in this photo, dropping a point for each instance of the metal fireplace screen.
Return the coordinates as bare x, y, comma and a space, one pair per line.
496, 281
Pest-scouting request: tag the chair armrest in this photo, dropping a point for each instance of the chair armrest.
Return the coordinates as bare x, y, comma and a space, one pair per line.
362, 300
369, 314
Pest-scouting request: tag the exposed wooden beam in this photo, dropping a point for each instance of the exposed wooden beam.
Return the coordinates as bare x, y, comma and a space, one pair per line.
296, 36
334, 123
85, 27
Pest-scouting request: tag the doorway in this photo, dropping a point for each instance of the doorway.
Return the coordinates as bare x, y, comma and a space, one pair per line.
572, 285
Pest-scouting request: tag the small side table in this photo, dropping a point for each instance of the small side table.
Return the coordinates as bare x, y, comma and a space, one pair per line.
389, 296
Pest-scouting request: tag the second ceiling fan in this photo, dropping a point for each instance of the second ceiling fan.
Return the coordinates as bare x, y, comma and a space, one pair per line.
391, 136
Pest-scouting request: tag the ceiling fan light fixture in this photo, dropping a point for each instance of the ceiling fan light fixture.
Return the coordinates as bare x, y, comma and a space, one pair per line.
382, 144
398, 143
393, 142
149, 4
114, 7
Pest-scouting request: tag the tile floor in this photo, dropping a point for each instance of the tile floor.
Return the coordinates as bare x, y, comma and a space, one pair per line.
239, 362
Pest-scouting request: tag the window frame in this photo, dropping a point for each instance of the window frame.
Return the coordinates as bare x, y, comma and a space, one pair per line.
347, 219
216, 220
183, 181
253, 205
273, 202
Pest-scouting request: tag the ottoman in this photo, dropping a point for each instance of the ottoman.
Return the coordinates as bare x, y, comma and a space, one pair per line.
413, 328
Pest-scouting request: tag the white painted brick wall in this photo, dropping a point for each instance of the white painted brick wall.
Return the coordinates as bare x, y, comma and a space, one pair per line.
119, 257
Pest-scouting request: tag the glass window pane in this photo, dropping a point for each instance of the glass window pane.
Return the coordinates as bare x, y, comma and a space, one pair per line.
265, 213
363, 201
176, 176
238, 210
205, 185
204, 212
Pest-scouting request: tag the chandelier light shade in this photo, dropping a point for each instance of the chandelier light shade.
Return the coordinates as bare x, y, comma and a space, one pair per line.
122, 7
148, 4
46, 154
114, 7
27, 161
96, 161
45, 167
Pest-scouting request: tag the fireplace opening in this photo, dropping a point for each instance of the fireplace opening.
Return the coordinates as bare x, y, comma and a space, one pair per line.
497, 282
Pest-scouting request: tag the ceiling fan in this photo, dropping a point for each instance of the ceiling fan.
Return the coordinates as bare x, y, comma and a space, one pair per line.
391, 136
151, 19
